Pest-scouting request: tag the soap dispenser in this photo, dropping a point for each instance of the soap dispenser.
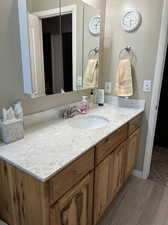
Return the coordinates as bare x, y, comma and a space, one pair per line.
84, 105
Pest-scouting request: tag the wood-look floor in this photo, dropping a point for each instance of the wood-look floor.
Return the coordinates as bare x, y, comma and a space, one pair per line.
140, 202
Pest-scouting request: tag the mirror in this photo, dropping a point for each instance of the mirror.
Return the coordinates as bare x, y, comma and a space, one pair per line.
60, 47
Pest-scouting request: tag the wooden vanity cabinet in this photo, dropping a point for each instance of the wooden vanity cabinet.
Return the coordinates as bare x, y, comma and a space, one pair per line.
70, 175
114, 170
28, 201
132, 149
105, 147
117, 175
109, 177
25, 199
80, 193
76, 206
101, 188
134, 124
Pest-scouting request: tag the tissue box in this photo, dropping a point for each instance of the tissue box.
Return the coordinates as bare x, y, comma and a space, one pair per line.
11, 131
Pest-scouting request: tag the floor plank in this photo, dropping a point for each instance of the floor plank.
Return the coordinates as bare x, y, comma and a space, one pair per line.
140, 202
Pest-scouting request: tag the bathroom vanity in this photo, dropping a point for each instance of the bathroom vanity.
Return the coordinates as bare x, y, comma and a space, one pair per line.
75, 178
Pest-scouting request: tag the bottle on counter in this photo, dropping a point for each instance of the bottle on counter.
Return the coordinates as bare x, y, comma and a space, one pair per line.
100, 97
84, 105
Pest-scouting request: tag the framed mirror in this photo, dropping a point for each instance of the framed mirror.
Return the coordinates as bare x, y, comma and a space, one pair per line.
60, 42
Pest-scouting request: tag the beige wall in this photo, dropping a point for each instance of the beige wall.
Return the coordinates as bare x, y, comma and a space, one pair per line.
144, 43
37, 5
100, 4
11, 88
90, 41
10, 63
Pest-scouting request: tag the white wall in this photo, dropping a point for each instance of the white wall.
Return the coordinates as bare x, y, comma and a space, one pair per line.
144, 43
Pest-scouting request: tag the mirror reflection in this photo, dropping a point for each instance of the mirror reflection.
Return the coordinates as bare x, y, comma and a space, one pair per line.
64, 43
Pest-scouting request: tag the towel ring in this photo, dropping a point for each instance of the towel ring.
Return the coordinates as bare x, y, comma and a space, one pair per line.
93, 52
129, 52
127, 49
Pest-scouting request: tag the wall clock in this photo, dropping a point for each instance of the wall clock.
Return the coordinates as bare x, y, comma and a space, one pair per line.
131, 20
94, 25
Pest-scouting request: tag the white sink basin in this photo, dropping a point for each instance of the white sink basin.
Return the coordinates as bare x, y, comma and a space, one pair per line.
89, 122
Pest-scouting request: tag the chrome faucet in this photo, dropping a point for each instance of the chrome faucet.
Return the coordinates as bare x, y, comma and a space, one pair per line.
70, 112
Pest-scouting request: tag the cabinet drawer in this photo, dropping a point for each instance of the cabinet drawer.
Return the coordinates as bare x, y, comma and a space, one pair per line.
69, 176
105, 147
134, 124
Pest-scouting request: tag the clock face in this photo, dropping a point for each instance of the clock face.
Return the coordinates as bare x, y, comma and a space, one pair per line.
94, 25
131, 20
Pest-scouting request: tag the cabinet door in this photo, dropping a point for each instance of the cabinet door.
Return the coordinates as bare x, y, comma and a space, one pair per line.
132, 149
117, 170
101, 188
75, 207
109, 176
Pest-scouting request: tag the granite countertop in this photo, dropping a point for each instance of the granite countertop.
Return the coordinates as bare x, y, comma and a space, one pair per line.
48, 148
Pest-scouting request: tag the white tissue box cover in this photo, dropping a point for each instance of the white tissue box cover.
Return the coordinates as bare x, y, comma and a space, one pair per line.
11, 131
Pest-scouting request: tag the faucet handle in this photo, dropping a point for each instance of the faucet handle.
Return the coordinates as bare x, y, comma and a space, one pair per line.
74, 110
71, 112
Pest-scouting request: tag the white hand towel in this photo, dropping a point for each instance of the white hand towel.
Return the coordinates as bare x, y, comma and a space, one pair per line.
124, 83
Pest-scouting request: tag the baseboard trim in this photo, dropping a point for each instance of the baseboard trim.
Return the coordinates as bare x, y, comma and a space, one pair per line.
137, 173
